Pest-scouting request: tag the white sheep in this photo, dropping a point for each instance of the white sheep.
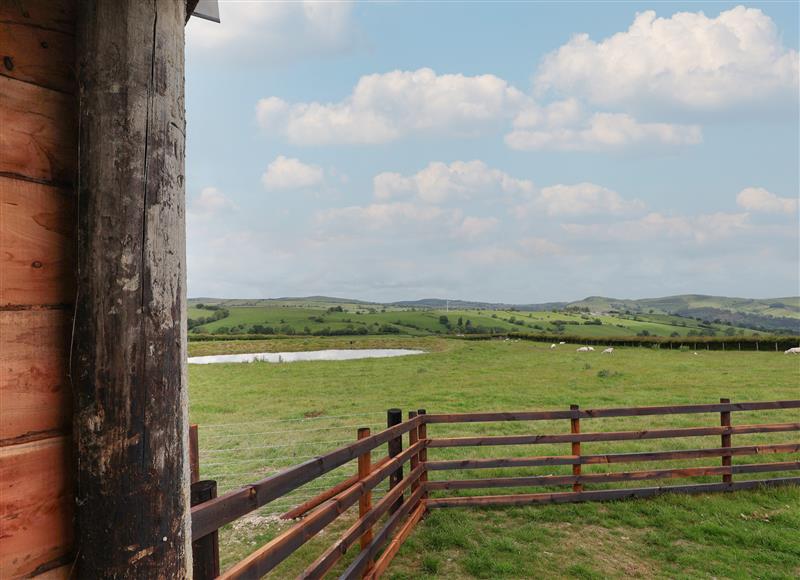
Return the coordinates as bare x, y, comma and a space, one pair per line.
562, 342
795, 350
552, 346
582, 349
591, 348
609, 350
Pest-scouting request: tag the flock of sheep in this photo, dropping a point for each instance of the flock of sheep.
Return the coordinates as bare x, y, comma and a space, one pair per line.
610, 350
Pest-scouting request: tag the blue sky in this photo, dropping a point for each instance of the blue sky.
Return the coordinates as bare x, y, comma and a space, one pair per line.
519, 152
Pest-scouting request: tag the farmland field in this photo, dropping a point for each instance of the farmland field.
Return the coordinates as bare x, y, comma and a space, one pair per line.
258, 418
357, 319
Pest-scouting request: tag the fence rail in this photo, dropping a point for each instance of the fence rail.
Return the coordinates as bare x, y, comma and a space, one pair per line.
405, 504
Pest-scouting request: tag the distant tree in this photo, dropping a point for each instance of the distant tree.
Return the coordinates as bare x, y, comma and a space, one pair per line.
444, 320
675, 334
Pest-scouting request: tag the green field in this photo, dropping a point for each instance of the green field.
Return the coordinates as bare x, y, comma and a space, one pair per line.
258, 418
297, 318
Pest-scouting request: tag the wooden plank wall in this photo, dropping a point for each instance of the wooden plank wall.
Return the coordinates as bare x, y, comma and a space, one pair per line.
38, 159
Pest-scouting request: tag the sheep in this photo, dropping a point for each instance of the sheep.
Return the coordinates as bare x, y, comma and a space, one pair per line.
795, 350
609, 350
562, 342
582, 349
552, 346
591, 348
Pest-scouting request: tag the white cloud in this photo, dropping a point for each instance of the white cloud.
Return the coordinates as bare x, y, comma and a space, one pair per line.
384, 107
657, 226
290, 173
439, 182
759, 199
584, 198
272, 32
600, 132
687, 61
475, 227
380, 216
210, 202
541, 247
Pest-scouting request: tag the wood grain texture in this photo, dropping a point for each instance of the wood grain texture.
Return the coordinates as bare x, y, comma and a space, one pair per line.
35, 396
37, 132
37, 237
129, 358
45, 14
37, 55
35, 506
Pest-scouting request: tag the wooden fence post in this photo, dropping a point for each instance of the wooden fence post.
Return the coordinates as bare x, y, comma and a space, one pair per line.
422, 435
365, 501
725, 421
413, 437
194, 453
575, 427
395, 417
205, 551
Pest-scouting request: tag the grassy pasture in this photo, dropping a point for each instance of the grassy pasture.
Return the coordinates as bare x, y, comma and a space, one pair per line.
313, 318
258, 418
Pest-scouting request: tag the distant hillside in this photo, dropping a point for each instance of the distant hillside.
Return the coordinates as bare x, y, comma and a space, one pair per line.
764, 314
769, 314
441, 304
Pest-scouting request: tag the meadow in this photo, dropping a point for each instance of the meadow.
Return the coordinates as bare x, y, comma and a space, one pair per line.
314, 318
258, 418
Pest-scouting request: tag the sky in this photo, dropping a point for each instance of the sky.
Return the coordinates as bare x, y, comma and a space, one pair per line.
509, 152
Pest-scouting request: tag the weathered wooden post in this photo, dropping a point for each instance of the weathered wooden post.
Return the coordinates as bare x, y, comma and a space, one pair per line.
129, 354
194, 454
575, 428
725, 421
205, 551
395, 447
365, 501
422, 432
413, 437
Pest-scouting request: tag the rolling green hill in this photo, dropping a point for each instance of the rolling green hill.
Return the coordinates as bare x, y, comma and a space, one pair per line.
594, 317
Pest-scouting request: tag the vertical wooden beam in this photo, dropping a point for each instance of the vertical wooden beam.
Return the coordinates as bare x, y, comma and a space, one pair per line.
413, 437
205, 551
422, 431
575, 427
395, 446
129, 357
365, 501
194, 454
725, 421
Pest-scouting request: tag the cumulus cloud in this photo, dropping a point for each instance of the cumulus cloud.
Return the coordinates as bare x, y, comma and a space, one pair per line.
758, 199
439, 182
384, 107
475, 227
584, 198
657, 226
289, 173
687, 61
272, 32
380, 216
210, 202
567, 128
574, 200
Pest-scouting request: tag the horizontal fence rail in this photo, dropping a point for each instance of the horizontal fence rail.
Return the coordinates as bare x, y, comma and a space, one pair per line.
381, 528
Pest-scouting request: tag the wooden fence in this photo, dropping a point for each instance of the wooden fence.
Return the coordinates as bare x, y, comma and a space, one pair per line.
408, 499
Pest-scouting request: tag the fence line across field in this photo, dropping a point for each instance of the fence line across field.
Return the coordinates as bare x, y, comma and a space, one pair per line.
408, 496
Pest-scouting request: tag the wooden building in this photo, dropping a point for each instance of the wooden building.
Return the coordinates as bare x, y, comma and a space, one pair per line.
93, 469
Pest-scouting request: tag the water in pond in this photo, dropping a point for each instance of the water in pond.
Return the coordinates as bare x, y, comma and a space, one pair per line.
278, 357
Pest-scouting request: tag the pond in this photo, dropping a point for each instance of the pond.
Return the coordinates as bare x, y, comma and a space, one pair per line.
282, 357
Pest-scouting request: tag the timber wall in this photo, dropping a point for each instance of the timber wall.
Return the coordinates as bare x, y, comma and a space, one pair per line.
38, 159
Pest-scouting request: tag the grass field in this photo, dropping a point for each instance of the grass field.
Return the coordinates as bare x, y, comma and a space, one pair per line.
258, 418
312, 318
